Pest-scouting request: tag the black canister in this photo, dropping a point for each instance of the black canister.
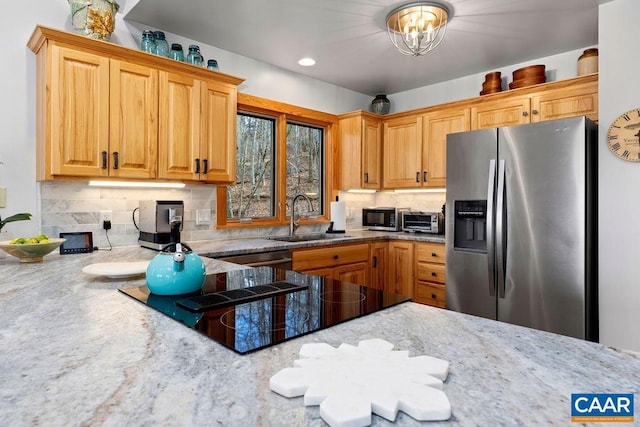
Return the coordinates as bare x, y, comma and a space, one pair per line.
380, 104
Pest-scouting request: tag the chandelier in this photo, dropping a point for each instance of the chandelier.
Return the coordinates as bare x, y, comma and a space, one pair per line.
417, 28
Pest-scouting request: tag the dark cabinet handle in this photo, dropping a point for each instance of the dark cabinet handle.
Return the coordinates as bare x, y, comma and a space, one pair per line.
525, 113
197, 165
366, 177
205, 165
104, 160
424, 176
417, 176
375, 262
433, 274
434, 296
335, 257
534, 111
115, 160
433, 254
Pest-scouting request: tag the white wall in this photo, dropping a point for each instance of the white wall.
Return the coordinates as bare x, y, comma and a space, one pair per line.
618, 180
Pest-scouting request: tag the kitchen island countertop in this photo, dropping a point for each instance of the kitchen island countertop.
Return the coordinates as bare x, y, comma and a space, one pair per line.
75, 351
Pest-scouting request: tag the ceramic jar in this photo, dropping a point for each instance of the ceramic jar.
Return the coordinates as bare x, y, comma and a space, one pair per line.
94, 18
588, 62
380, 104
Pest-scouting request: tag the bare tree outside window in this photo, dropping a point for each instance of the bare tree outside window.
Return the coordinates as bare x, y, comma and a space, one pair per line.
253, 195
305, 164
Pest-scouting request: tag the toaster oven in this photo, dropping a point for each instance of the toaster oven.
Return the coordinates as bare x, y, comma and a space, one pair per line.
423, 222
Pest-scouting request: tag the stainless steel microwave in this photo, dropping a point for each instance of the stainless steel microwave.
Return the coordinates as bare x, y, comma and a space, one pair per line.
383, 219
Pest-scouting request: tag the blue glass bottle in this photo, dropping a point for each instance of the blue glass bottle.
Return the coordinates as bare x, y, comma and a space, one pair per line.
176, 52
194, 57
162, 47
148, 43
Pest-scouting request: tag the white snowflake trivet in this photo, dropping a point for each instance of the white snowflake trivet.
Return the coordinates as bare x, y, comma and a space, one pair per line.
350, 382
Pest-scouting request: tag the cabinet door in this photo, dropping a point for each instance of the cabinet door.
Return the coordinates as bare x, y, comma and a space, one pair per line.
352, 273
561, 103
218, 150
360, 151
79, 113
371, 154
502, 112
402, 157
179, 130
400, 278
436, 127
133, 137
378, 259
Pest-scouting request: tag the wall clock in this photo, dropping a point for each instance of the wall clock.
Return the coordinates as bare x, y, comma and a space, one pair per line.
623, 138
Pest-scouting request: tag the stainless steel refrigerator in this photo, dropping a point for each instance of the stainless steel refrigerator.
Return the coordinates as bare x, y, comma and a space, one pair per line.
521, 225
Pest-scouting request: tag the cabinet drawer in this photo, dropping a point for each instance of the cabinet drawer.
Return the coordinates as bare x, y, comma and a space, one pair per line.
430, 252
431, 272
330, 256
430, 293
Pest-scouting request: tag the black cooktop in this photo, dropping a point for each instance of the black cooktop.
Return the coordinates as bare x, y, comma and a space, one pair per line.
250, 309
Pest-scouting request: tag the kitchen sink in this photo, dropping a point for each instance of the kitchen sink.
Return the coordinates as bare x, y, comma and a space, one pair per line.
308, 237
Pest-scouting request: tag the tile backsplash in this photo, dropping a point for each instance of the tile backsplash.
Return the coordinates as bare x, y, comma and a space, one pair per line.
75, 206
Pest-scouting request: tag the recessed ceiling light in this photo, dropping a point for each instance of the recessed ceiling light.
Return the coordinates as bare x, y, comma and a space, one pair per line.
307, 62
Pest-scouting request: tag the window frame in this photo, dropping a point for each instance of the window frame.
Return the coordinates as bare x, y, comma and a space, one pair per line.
283, 114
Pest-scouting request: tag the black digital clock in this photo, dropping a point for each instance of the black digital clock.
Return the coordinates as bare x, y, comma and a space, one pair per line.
80, 242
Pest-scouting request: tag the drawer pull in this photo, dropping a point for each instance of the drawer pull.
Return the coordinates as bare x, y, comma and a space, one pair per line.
433, 254
434, 296
433, 274
335, 257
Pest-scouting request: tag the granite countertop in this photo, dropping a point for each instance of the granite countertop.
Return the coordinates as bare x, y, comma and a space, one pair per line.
229, 247
75, 351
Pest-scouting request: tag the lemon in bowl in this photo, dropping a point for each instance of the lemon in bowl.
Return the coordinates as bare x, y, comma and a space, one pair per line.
31, 249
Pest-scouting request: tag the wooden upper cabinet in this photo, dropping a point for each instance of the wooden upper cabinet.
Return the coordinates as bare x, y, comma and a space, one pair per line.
500, 112
402, 158
360, 151
436, 126
579, 100
218, 127
179, 144
77, 113
133, 136
107, 111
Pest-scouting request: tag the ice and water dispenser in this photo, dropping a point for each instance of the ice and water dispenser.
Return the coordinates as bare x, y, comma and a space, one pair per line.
470, 226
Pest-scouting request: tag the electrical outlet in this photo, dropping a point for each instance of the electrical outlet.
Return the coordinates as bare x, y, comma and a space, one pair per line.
106, 216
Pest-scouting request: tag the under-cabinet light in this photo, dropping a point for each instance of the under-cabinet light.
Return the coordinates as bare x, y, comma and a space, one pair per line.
361, 191
136, 184
423, 190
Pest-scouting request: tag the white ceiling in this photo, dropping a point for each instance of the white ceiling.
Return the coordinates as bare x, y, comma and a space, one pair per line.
349, 41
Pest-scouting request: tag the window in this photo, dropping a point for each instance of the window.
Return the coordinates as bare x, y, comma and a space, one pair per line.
253, 196
282, 150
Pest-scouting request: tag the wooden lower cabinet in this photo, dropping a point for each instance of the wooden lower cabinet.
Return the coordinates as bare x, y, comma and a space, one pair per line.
349, 263
379, 255
430, 274
400, 276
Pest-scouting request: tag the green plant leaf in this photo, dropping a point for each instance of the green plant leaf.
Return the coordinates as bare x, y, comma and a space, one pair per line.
17, 217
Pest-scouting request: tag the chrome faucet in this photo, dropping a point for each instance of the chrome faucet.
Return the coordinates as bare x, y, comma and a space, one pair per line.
293, 225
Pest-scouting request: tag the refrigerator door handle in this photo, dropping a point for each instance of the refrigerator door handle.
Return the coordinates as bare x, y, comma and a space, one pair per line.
491, 258
500, 230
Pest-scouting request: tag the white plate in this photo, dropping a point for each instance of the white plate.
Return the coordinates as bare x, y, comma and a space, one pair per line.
117, 270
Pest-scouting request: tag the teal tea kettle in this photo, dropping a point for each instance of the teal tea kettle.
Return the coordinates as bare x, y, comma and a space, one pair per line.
177, 269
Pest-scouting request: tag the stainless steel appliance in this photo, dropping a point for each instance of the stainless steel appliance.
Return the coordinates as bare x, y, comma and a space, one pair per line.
157, 219
521, 225
383, 219
250, 309
276, 259
423, 222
